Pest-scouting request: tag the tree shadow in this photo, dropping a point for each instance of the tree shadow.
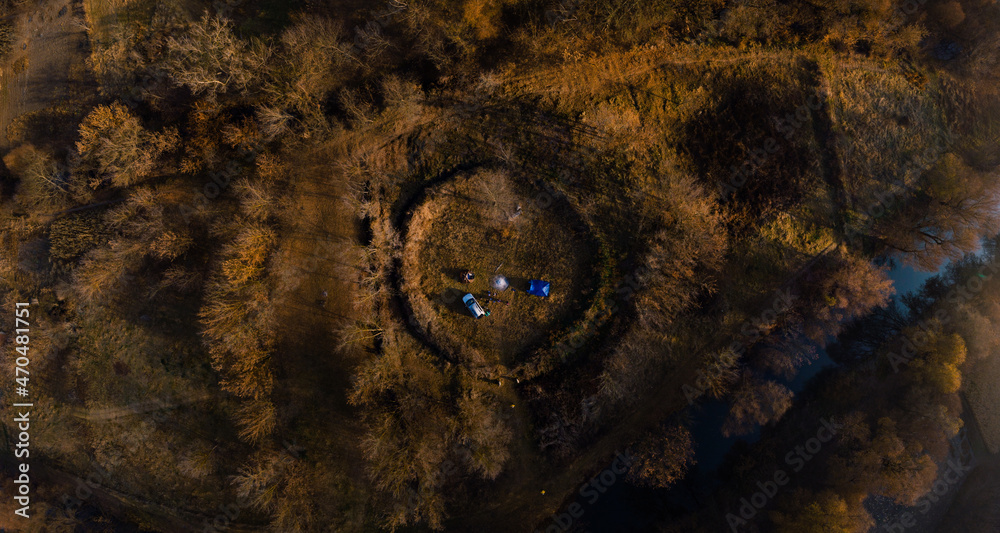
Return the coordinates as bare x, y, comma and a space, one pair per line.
454, 274
451, 299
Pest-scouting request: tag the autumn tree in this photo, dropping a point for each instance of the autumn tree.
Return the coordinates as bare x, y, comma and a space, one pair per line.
976, 325
937, 362
841, 287
946, 216
427, 426
239, 324
662, 457
755, 402
257, 419
861, 339
484, 436
274, 121
904, 472
783, 352
407, 445
314, 498
239, 327
633, 367
118, 147
685, 248
825, 512
303, 73
138, 230
259, 482
683, 253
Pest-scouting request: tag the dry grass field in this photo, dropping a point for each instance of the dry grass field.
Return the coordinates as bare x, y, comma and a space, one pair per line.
878, 145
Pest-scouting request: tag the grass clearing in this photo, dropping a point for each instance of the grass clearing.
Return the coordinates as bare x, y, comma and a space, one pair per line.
473, 224
884, 121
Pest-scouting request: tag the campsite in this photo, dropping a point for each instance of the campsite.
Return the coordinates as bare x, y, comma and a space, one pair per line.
524, 265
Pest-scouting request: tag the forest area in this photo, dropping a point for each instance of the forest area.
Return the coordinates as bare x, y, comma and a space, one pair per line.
244, 228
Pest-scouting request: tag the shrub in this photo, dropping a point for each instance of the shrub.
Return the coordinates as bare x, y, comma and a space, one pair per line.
209, 59
662, 457
74, 235
6, 37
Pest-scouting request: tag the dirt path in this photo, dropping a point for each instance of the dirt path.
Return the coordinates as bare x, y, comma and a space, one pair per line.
111, 413
48, 64
313, 260
581, 79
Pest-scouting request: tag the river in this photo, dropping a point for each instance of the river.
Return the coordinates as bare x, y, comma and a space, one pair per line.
625, 507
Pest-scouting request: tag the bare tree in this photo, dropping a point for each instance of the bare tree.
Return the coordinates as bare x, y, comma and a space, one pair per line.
42, 186
955, 207
210, 59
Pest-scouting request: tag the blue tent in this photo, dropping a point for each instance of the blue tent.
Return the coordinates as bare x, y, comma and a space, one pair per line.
537, 287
